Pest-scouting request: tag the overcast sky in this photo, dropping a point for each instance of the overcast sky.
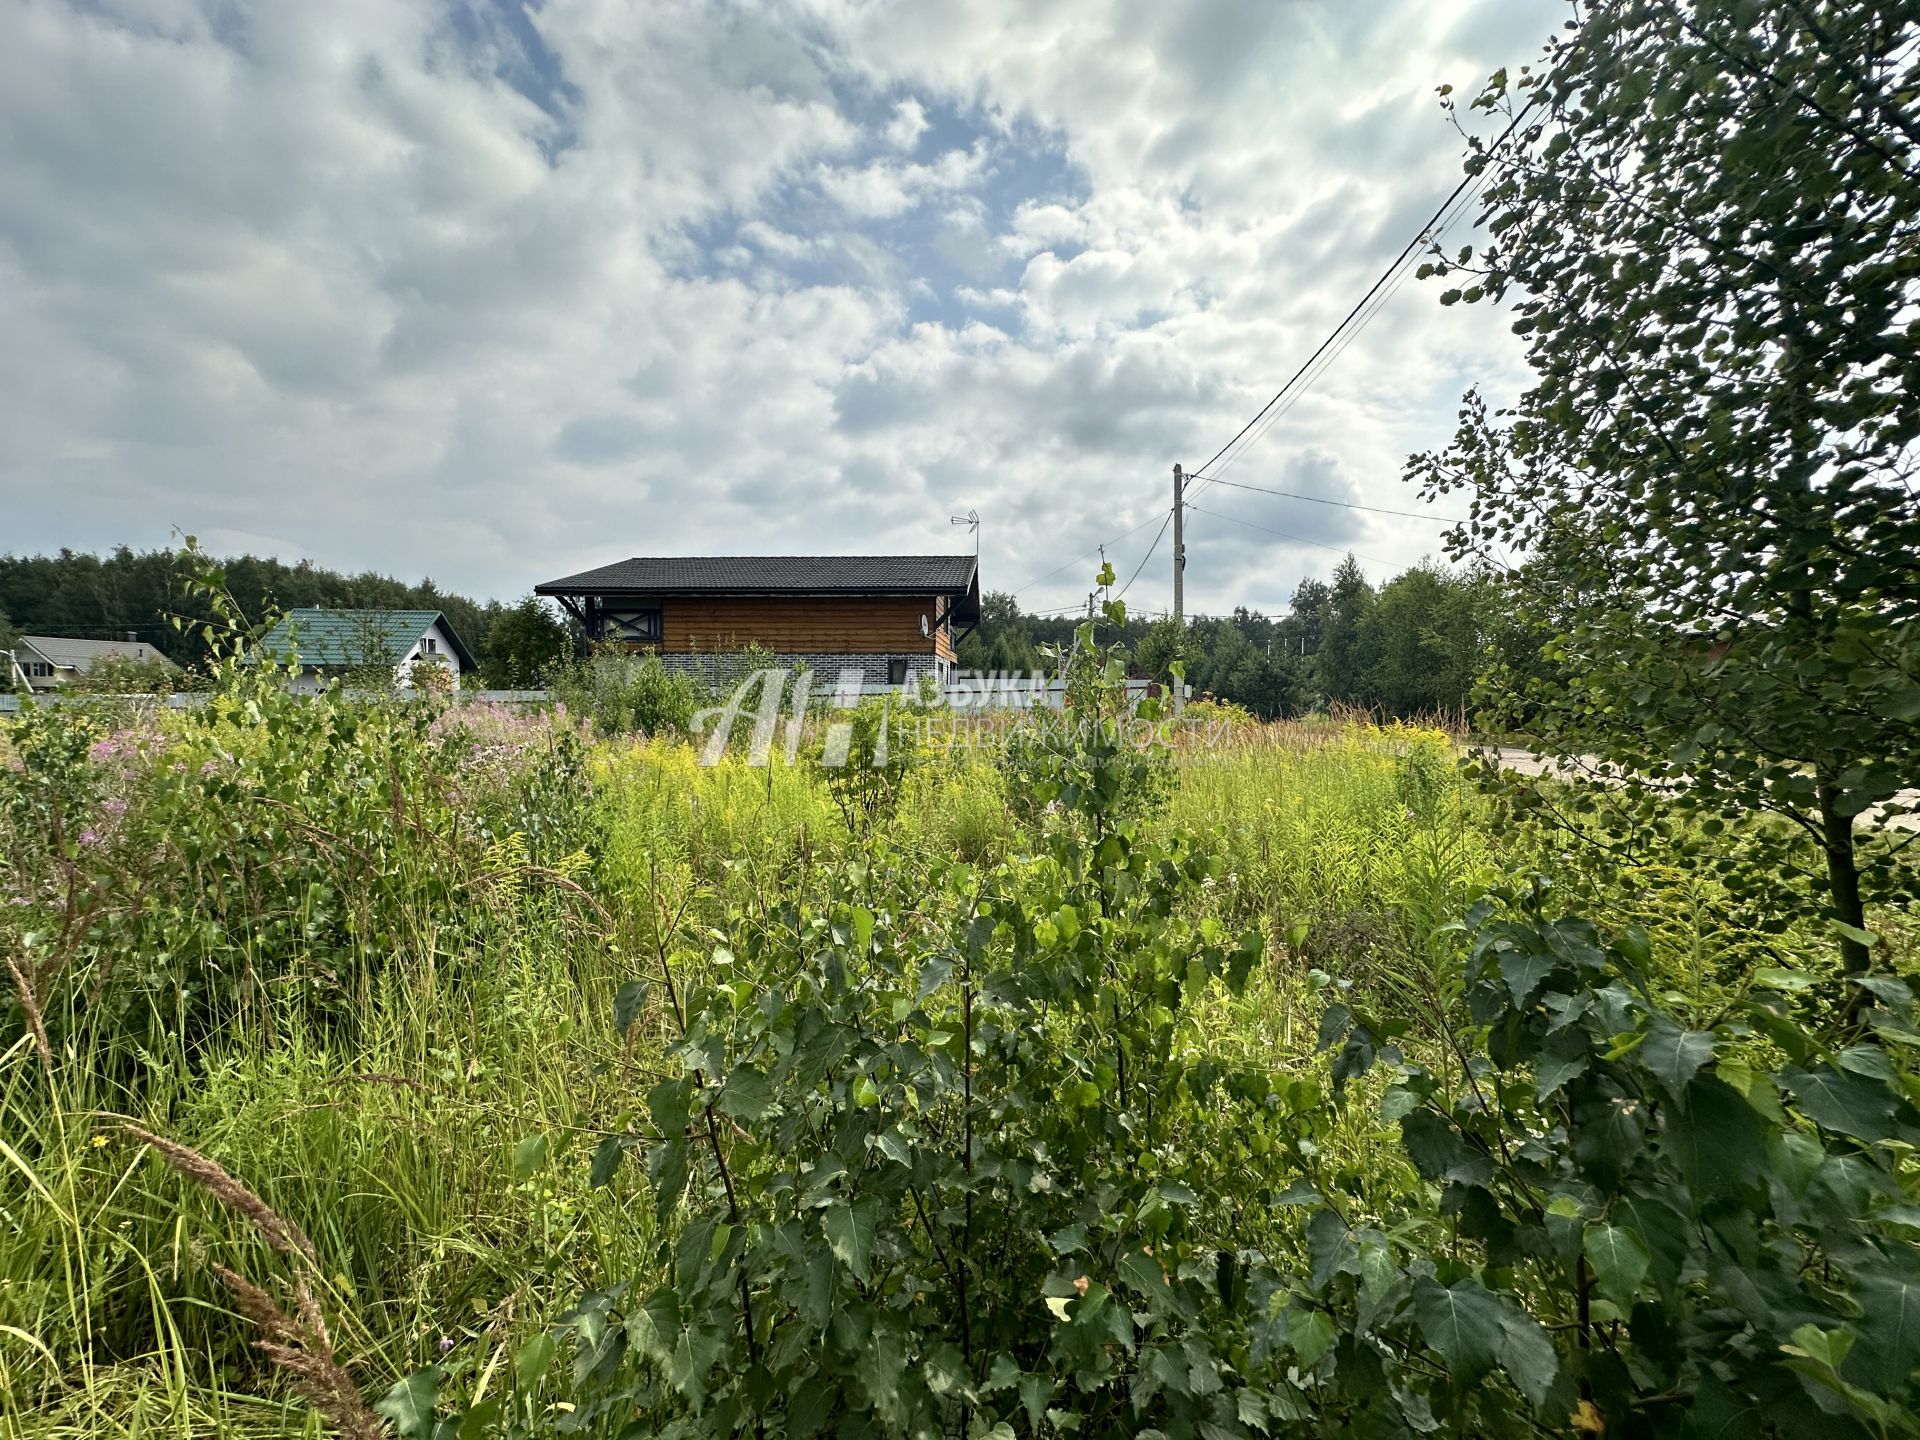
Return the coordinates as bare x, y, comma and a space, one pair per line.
493, 293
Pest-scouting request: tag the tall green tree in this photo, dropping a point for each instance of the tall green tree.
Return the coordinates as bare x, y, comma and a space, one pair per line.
1423, 640
1707, 221
1345, 654
1160, 649
525, 645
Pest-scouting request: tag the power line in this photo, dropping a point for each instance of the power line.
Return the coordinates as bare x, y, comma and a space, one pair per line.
1121, 593
1400, 270
1091, 550
1466, 182
1297, 539
1363, 311
1344, 504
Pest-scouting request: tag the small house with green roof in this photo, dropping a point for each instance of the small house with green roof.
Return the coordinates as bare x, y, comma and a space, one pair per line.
365, 646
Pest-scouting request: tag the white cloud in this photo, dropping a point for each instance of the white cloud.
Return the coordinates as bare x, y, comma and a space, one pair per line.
323, 276
909, 123
885, 188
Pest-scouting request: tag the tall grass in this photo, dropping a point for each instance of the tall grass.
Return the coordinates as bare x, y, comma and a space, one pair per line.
429, 1125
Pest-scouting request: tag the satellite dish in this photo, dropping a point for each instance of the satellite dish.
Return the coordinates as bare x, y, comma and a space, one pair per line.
924, 628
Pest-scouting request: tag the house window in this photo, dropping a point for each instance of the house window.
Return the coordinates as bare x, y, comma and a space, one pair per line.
642, 625
432, 645
897, 670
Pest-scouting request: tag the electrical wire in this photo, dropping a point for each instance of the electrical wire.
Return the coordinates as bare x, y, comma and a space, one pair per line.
1091, 550
1122, 591
1344, 504
1296, 539
1323, 356
1400, 270
1385, 275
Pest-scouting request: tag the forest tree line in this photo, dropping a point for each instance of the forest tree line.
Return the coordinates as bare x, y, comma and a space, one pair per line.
1411, 646
106, 597
1406, 647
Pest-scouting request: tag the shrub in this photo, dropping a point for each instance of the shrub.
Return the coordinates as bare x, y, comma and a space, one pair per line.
1618, 1223
864, 757
619, 692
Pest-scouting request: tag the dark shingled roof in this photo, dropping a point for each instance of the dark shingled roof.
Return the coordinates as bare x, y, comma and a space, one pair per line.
774, 575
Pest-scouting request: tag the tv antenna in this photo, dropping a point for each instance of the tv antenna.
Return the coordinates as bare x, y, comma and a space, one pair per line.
972, 521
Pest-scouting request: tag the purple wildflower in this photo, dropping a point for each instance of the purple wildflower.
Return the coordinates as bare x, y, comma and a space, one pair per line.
88, 837
446, 1343
114, 807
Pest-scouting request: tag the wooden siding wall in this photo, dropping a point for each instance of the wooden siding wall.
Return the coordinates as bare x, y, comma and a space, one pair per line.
801, 625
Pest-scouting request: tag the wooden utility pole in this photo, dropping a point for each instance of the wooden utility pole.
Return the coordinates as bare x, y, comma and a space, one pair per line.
1179, 574
1179, 546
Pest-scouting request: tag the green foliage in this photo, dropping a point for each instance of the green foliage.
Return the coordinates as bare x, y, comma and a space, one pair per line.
1612, 1210
1163, 647
928, 1157
269, 860
1086, 758
525, 645
1711, 476
123, 675
620, 692
865, 756
73, 593
1410, 649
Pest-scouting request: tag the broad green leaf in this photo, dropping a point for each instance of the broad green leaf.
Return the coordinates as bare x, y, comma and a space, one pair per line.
606, 1160
1524, 971
1142, 1272
1528, 1356
529, 1156
1068, 1240
692, 1360
748, 1094
1550, 1072
1718, 1139
1620, 1259
1888, 1350
1330, 1249
1312, 1334
878, 1369
627, 1002
533, 1360
1673, 1054
1849, 1104
1462, 1323
1438, 1151
850, 1233
410, 1404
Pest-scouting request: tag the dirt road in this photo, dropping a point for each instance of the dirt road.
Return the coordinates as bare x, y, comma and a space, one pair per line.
1524, 762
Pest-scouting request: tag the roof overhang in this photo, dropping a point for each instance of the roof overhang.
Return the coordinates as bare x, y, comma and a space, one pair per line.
962, 588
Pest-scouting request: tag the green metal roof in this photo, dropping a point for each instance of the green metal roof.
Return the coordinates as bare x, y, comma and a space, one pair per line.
344, 638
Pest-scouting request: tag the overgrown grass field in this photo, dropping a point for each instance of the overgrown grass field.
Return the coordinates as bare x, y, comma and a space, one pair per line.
398, 974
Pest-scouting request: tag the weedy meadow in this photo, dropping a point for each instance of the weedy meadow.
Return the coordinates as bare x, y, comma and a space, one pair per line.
447, 1070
